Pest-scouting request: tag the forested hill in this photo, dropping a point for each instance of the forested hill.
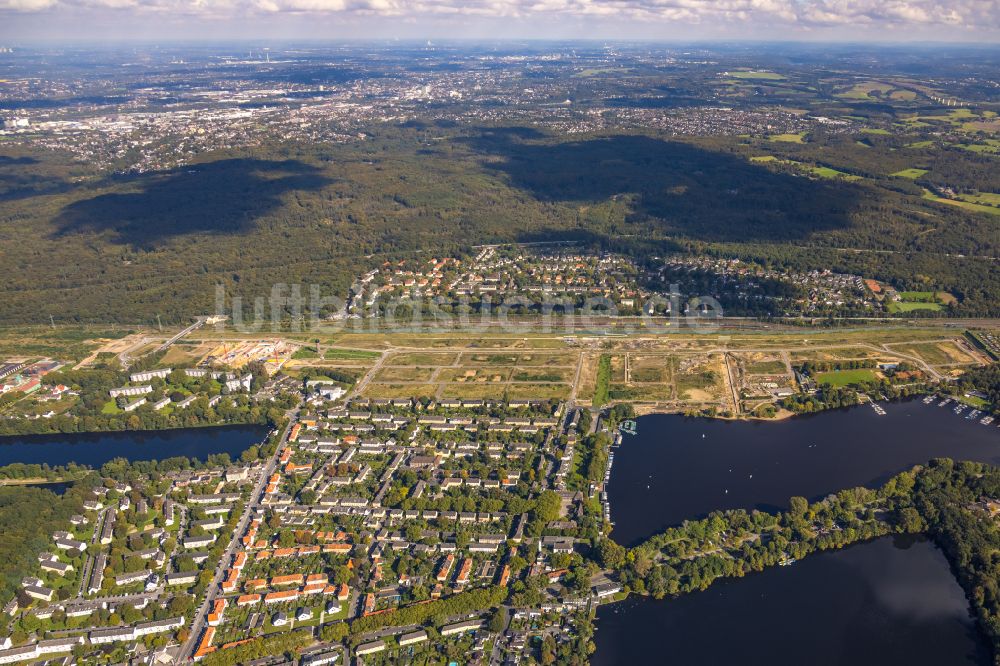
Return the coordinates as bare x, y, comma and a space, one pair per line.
86, 246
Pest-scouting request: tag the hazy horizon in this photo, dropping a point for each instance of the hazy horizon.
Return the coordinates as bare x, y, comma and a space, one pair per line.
842, 21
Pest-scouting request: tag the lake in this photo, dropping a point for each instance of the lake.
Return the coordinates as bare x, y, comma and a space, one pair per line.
679, 468
95, 449
888, 601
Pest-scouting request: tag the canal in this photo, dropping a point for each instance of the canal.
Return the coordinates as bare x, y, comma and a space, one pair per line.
95, 449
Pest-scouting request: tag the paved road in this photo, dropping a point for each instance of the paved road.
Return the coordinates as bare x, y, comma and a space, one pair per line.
360, 386
200, 618
196, 325
91, 557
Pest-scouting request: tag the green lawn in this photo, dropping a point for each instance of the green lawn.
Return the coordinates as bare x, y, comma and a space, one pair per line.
766, 368
910, 307
349, 354
919, 296
788, 138
987, 147
758, 76
839, 378
968, 205
603, 380
984, 198
819, 171
827, 172
974, 401
909, 173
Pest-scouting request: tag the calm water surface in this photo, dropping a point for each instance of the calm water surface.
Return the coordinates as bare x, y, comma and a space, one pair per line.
887, 602
95, 449
679, 468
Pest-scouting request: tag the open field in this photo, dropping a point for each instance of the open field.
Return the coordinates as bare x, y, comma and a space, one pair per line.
837, 354
475, 373
910, 173
486, 359
562, 375
675, 372
350, 355
184, 354
840, 378
968, 205
537, 391
700, 378
482, 391
867, 90
788, 138
423, 358
814, 170
938, 353
827, 172
649, 369
587, 382
396, 390
316, 371
757, 76
657, 393
546, 359
602, 380
919, 296
911, 306
766, 367
404, 374
69, 343
984, 198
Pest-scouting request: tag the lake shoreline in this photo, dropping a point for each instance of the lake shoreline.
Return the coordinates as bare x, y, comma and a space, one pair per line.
688, 466
93, 449
686, 449
200, 426
695, 615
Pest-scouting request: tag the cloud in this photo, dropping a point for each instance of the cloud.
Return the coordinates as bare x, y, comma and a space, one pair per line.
805, 14
26, 5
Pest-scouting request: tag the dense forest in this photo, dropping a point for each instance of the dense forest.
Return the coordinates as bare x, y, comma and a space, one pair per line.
89, 247
943, 497
28, 517
985, 379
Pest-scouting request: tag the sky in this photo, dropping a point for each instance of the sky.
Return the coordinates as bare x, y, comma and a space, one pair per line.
688, 20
